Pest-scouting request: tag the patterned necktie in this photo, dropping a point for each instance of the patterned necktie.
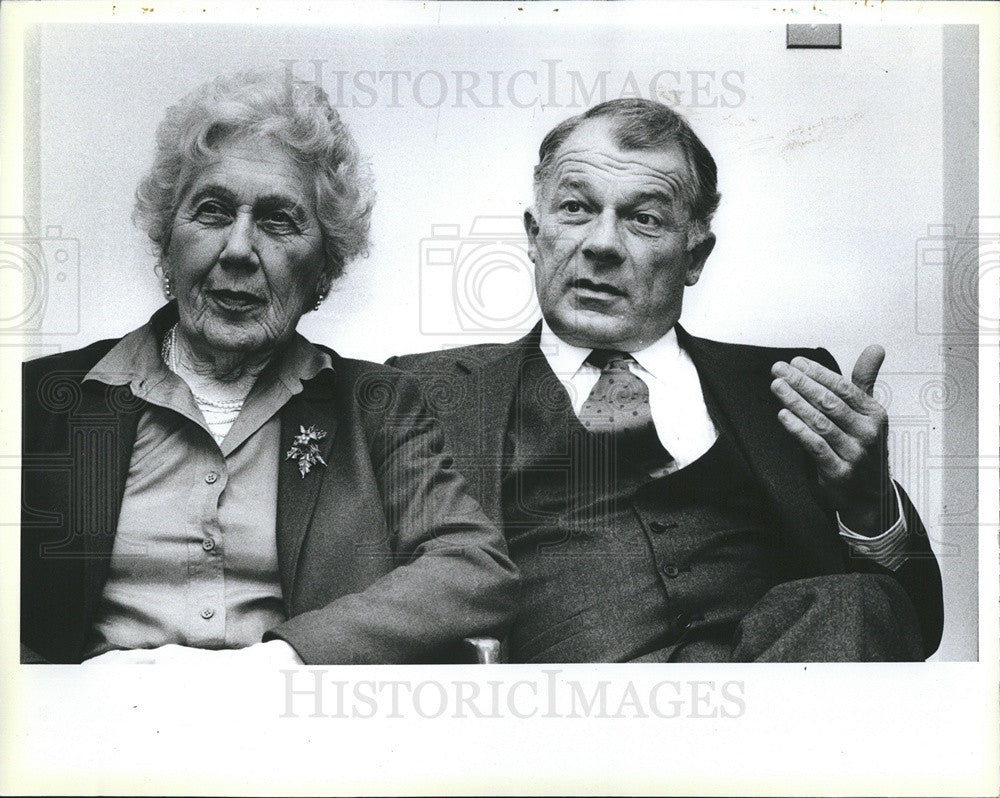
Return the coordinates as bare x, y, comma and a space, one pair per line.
619, 406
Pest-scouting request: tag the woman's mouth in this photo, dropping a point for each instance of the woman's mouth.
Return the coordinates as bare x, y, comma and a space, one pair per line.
235, 301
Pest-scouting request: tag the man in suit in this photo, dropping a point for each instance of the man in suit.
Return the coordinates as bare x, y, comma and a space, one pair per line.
670, 498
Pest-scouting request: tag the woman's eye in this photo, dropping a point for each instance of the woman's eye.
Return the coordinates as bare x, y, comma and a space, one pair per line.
280, 222
211, 212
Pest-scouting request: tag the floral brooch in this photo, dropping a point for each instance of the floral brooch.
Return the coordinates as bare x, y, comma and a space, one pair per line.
305, 449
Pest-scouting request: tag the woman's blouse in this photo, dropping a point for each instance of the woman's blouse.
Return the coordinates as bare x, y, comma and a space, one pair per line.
195, 557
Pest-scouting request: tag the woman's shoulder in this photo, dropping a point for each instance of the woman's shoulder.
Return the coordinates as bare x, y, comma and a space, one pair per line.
352, 369
373, 387
76, 362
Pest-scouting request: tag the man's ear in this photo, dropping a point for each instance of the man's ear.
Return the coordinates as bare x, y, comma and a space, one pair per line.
698, 254
531, 228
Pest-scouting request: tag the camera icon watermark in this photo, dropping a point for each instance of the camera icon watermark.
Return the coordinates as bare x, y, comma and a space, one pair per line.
46, 270
919, 404
480, 282
951, 270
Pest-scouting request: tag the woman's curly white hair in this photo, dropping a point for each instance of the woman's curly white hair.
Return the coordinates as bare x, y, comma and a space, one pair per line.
295, 114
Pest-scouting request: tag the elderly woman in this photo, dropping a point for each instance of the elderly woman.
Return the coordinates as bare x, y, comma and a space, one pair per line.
213, 484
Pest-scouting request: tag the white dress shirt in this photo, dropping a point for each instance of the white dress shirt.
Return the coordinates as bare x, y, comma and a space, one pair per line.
675, 399
680, 416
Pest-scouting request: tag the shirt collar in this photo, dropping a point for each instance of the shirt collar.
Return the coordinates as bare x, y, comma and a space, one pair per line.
301, 362
659, 358
136, 360
564, 359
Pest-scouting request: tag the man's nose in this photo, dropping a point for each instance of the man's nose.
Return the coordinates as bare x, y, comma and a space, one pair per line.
239, 249
603, 243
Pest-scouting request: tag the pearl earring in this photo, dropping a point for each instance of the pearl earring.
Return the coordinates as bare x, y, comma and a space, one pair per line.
319, 300
167, 288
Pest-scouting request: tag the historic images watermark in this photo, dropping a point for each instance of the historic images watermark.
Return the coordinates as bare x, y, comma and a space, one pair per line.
550, 83
319, 693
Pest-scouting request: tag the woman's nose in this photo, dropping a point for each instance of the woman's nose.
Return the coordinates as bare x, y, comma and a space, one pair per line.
239, 248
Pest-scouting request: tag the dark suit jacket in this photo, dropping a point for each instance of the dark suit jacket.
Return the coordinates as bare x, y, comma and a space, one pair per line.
383, 555
472, 390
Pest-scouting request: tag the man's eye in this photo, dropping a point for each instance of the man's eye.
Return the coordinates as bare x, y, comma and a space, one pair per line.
571, 206
647, 219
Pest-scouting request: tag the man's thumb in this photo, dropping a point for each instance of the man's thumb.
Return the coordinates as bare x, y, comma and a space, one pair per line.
866, 369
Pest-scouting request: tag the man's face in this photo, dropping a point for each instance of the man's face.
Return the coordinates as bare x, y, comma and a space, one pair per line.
608, 236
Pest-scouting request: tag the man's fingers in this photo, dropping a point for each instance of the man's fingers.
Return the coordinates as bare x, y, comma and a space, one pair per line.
866, 369
826, 459
857, 415
801, 370
824, 413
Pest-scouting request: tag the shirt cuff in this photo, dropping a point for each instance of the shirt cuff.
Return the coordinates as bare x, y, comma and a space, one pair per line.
887, 549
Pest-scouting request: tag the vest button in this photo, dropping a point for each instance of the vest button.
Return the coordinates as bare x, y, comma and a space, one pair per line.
671, 571
659, 527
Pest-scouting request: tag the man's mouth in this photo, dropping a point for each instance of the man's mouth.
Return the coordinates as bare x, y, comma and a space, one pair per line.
235, 301
598, 289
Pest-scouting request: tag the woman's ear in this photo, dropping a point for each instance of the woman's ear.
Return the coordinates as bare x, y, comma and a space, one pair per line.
322, 289
161, 270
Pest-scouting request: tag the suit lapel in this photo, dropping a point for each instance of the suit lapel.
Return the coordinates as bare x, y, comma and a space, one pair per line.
495, 381
740, 383
297, 494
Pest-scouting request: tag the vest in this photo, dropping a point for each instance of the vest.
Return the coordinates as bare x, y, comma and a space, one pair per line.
618, 566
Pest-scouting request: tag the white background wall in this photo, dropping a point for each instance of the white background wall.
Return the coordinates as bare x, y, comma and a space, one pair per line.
830, 167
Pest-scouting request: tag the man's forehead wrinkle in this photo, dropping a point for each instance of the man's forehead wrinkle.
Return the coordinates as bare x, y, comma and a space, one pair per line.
615, 165
621, 160
581, 175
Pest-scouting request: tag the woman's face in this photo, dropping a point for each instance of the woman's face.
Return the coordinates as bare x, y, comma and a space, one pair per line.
246, 250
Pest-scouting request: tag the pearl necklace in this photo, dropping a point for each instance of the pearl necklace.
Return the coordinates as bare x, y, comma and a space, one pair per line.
169, 354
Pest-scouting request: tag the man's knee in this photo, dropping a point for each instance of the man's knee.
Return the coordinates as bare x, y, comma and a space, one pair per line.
833, 618
844, 594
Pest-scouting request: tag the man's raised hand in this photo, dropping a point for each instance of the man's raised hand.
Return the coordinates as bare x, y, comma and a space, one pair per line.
844, 430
